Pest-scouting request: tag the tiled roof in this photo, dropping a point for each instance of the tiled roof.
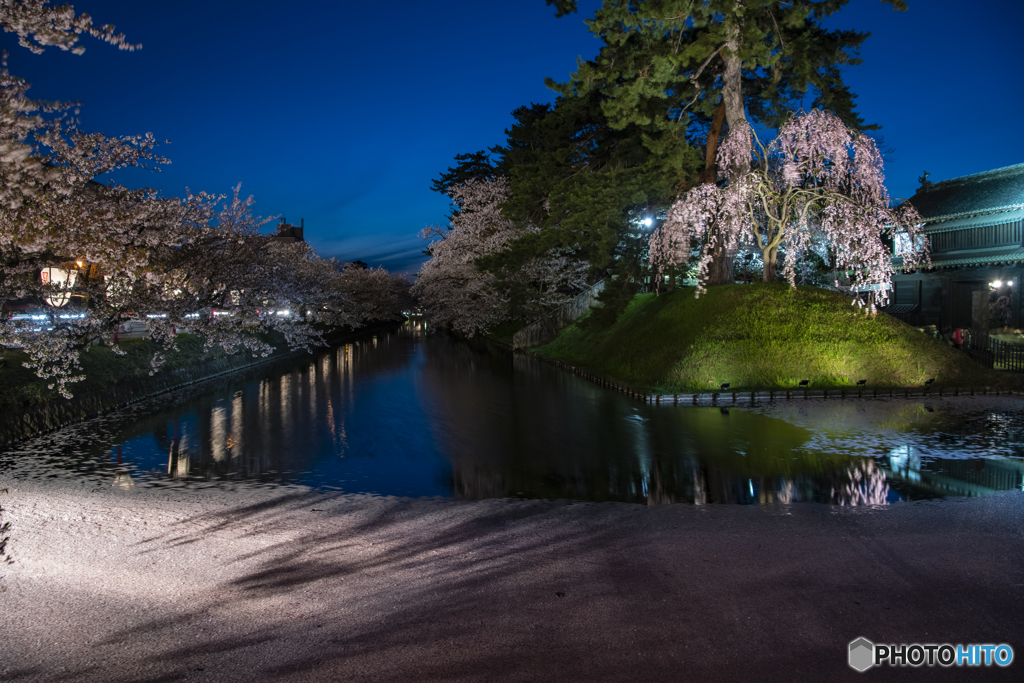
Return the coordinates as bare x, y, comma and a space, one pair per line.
974, 257
976, 221
1001, 189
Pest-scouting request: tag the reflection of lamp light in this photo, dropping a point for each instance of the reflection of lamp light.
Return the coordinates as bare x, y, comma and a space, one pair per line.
63, 279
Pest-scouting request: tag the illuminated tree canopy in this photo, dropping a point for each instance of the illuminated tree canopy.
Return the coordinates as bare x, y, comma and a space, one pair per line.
683, 70
456, 292
817, 187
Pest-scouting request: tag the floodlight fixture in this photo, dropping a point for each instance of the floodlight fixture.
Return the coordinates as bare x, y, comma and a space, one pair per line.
725, 386
861, 382
928, 382
804, 382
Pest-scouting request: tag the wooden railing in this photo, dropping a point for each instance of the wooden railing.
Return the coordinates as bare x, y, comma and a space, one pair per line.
996, 354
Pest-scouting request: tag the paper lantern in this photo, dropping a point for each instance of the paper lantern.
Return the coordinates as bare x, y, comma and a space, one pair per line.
63, 280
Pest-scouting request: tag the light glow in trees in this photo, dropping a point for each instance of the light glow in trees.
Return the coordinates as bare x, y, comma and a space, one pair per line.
817, 187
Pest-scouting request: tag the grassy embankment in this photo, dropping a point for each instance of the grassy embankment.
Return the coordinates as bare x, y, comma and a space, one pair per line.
761, 337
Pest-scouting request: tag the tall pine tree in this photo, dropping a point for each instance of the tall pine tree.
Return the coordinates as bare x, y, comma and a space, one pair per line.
674, 67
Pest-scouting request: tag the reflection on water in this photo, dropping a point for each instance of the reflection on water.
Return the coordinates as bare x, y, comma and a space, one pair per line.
404, 413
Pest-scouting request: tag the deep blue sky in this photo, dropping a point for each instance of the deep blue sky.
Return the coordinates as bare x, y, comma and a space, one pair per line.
342, 112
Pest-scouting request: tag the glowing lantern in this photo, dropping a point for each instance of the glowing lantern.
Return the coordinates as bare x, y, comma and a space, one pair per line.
63, 280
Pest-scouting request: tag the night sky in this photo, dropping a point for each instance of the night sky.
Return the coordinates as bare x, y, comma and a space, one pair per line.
341, 113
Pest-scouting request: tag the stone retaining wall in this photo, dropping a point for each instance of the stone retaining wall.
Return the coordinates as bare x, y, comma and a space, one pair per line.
536, 333
59, 413
728, 398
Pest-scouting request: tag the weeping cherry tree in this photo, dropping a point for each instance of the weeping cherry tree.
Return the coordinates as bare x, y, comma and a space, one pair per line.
817, 188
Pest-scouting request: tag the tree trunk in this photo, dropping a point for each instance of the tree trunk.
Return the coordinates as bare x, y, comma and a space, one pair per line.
548, 323
720, 268
710, 172
732, 92
771, 257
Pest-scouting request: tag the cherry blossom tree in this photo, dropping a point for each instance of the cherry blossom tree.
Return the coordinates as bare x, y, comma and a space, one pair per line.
52, 214
449, 285
199, 263
455, 292
817, 187
370, 294
39, 25
221, 278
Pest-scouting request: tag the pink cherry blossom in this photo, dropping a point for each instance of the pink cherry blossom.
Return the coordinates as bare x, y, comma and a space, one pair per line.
199, 263
455, 292
817, 187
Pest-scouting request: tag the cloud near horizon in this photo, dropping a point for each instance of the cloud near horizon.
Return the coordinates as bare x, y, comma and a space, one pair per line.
398, 255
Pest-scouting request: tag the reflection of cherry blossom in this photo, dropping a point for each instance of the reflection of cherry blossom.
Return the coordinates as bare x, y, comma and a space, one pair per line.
785, 492
866, 485
700, 488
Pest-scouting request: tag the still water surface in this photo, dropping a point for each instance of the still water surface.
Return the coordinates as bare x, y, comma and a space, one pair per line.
410, 414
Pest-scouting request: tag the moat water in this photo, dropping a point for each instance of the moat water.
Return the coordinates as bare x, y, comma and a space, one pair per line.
407, 413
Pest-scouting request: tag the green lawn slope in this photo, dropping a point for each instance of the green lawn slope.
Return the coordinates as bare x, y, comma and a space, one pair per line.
763, 337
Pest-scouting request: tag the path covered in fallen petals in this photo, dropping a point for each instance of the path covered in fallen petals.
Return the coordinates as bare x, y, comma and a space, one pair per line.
293, 585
